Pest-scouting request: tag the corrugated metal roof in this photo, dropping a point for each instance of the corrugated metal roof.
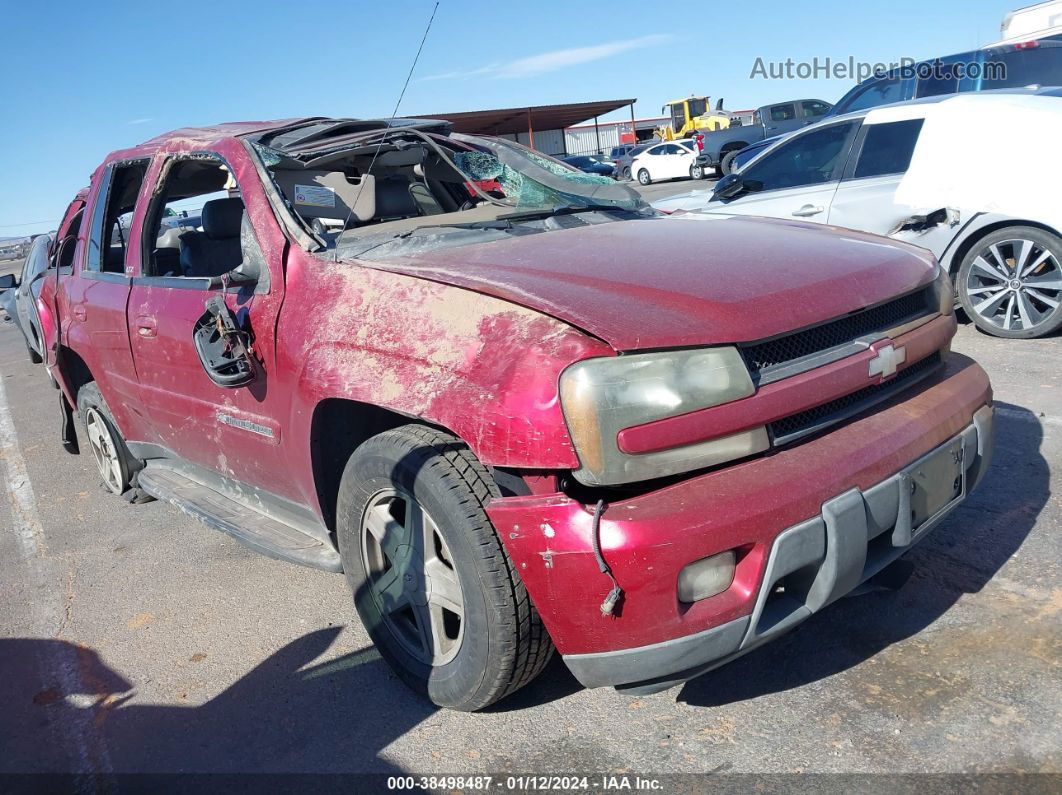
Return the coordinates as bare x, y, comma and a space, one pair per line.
515, 120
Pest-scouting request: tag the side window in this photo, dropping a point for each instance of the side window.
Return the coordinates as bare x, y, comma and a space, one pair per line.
943, 80
809, 159
887, 148
37, 261
656, 150
1040, 66
63, 252
880, 92
672, 149
193, 227
813, 109
783, 113
109, 233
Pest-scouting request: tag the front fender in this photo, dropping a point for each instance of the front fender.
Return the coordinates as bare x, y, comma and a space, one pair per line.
481, 367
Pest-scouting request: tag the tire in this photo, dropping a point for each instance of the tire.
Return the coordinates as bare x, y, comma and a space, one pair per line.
496, 643
644, 178
116, 465
726, 163
625, 174
1002, 293
696, 172
35, 357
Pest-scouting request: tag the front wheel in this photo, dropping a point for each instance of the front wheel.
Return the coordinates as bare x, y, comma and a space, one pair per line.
644, 178
433, 584
696, 172
1010, 283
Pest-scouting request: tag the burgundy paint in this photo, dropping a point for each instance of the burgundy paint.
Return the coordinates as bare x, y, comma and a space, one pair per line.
668, 282
474, 339
646, 540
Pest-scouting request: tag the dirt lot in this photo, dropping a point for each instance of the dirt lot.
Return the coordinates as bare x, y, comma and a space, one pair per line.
133, 638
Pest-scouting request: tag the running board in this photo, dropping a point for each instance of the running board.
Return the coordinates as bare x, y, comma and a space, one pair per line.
250, 527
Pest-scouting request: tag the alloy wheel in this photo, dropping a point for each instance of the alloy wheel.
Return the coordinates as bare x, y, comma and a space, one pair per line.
1015, 285
104, 450
412, 578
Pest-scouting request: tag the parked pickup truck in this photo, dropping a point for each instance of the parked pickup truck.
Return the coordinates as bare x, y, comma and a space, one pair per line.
517, 408
720, 147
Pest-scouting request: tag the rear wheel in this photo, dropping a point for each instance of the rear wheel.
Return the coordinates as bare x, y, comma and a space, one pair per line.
115, 463
696, 172
625, 173
644, 178
1010, 283
726, 164
432, 582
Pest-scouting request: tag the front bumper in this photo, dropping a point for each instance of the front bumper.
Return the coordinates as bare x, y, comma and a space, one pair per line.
823, 516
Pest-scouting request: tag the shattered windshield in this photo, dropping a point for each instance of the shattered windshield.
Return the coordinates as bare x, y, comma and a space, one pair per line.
408, 184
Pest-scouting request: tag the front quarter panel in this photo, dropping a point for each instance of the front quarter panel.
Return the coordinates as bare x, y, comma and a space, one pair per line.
481, 367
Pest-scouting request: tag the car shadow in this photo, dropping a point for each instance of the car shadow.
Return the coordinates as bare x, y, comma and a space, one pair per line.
959, 557
286, 715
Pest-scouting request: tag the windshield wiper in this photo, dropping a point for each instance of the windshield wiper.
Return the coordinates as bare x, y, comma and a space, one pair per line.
567, 209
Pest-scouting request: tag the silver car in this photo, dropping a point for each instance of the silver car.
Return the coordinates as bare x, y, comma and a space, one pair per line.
846, 172
19, 296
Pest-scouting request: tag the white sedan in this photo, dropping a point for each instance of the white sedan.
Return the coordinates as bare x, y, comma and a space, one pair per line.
673, 160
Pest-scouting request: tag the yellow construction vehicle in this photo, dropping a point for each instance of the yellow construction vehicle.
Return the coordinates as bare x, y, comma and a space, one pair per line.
690, 115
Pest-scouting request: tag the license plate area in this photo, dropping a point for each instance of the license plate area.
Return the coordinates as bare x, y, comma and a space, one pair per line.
935, 483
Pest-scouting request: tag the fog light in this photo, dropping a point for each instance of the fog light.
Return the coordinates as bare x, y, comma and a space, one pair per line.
706, 577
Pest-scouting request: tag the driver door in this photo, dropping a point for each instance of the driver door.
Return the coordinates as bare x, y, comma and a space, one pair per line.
797, 180
234, 432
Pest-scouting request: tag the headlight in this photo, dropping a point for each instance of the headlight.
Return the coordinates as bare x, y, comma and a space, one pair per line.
601, 397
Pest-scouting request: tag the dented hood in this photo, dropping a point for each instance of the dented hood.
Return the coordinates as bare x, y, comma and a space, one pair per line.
683, 280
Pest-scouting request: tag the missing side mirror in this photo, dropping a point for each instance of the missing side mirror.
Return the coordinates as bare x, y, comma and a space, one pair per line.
224, 348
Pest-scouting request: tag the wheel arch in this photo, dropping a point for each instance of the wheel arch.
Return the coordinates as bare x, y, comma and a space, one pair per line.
72, 373
733, 146
954, 256
339, 426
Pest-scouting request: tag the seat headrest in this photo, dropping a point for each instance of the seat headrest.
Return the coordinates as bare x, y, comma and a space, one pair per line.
393, 199
221, 218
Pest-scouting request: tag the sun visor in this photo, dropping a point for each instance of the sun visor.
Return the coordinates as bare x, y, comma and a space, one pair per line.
328, 194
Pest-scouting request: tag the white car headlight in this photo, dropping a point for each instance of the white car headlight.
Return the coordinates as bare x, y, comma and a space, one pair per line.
602, 397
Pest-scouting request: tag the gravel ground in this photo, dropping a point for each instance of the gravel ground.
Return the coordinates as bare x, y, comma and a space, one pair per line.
133, 638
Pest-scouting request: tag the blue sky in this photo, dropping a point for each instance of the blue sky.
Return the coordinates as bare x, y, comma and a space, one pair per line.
81, 79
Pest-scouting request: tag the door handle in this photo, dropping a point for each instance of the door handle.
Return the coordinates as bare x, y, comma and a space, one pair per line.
146, 326
79, 312
807, 210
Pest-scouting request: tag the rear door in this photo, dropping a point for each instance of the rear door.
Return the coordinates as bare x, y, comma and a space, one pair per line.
781, 119
93, 299
866, 197
677, 160
797, 179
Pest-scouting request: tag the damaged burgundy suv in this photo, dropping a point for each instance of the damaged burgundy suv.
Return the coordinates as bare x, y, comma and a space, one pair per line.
516, 407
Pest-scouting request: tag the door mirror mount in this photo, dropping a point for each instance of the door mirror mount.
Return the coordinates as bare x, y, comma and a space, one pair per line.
223, 347
728, 187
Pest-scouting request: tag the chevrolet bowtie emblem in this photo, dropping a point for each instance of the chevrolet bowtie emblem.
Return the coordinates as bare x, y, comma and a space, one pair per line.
887, 360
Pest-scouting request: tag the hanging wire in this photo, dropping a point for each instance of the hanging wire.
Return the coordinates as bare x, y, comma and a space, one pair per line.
394, 114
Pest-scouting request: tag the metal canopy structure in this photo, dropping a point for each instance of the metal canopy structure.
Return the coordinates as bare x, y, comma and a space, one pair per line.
511, 121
